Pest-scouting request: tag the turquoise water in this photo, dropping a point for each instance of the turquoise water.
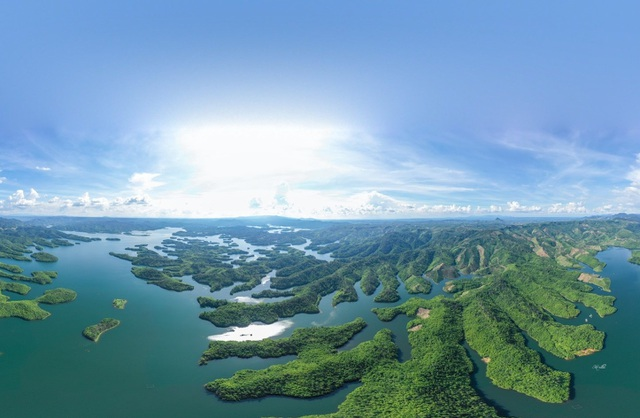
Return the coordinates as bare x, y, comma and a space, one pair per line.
148, 366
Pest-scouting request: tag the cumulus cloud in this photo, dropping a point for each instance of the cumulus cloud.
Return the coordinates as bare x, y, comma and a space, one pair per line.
21, 200
133, 200
571, 207
86, 201
489, 209
373, 204
445, 209
515, 206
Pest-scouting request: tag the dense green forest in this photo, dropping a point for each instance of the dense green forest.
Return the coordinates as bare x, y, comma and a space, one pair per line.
519, 280
302, 339
523, 277
93, 332
23, 242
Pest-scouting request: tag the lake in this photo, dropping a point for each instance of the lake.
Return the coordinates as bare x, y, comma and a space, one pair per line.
148, 366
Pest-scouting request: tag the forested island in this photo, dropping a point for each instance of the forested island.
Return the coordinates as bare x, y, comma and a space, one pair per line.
93, 332
504, 282
119, 303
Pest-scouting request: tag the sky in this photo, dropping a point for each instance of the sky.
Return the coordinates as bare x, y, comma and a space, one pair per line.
327, 109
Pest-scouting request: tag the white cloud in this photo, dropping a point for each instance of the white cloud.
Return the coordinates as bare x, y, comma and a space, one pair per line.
515, 206
571, 207
489, 209
373, 204
21, 200
133, 200
144, 181
445, 209
85, 201
43, 168
628, 198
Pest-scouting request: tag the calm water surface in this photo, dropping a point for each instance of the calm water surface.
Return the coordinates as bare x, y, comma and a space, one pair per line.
612, 391
148, 366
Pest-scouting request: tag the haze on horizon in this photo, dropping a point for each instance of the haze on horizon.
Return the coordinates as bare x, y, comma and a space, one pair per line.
319, 109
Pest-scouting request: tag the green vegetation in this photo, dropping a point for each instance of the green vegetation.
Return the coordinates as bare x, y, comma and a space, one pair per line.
39, 277
434, 383
524, 277
24, 309
11, 267
635, 257
369, 282
301, 340
591, 261
119, 303
158, 278
19, 288
93, 332
603, 283
268, 293
510, 363
317, 371
44, 257
55, 296
387, 276
29, 309
17, 237
242, 314
207, 302
42, 277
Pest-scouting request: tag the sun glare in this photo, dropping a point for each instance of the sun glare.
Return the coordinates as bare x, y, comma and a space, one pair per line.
257, 152
254, 164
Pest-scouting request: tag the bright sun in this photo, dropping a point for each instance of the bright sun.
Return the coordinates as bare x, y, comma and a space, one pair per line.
256, 162
224, 152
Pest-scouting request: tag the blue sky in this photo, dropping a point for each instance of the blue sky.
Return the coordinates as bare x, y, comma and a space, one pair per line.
326, 109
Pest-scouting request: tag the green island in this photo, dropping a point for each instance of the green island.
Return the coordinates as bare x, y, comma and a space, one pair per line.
302, 339
119, 303
44, 257
318, 370
523, 277
506, 284
93, 332
29, 309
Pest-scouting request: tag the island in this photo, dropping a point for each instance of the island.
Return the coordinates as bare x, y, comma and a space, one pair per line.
44, 257
119, 303
93, 332
510, 295
29, 309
